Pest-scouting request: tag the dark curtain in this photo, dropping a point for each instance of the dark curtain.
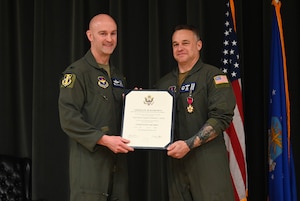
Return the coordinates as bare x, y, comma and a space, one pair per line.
38, 39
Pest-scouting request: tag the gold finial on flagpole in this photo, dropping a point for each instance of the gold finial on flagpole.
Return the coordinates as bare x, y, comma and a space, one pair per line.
275, 2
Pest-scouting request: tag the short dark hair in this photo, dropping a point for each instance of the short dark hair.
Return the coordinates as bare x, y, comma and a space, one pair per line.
190, 27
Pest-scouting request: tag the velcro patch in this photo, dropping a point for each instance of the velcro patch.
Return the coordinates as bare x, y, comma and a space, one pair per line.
188, 87
221, 79
68, 81
117, 83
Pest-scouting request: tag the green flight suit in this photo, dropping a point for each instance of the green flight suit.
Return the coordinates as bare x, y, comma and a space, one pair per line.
90, 105
203, 174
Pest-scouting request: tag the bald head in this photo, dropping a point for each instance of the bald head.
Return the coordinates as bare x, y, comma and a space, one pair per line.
101, 18
102, 35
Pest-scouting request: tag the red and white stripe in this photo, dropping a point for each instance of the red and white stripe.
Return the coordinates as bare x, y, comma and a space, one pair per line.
235, 142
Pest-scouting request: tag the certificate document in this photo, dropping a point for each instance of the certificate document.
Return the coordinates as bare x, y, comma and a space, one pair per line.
148, 119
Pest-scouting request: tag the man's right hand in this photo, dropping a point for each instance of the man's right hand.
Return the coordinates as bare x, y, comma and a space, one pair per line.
116, 144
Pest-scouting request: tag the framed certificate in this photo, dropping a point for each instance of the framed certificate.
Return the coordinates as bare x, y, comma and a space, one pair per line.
148, 119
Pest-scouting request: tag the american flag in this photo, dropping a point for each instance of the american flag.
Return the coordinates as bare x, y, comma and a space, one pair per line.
234, 136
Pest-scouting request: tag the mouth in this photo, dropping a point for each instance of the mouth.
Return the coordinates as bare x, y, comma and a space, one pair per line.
180, 54
109, 45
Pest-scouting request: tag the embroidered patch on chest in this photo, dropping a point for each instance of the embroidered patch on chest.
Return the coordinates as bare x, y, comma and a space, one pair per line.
102, 82
188, 87
117, 83
172, 88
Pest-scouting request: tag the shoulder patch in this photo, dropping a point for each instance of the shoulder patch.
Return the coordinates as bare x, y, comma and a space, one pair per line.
221, 79
68, 81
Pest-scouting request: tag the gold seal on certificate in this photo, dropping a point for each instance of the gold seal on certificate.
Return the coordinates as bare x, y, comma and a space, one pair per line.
148, 119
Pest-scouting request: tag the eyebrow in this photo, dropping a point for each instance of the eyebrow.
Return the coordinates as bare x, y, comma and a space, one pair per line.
181, 41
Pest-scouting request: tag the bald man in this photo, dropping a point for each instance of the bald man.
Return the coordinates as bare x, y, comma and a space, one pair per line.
90, 107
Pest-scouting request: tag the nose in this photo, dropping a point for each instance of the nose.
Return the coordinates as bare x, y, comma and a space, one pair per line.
109, 37
179, 47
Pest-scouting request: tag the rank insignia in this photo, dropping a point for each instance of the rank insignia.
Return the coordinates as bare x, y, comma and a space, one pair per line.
68, 80
102, 82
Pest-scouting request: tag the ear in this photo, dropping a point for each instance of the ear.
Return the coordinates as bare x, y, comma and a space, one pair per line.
89, 35
199, 45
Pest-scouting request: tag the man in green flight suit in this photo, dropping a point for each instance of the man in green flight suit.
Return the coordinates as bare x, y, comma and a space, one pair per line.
198, 167
90, 106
